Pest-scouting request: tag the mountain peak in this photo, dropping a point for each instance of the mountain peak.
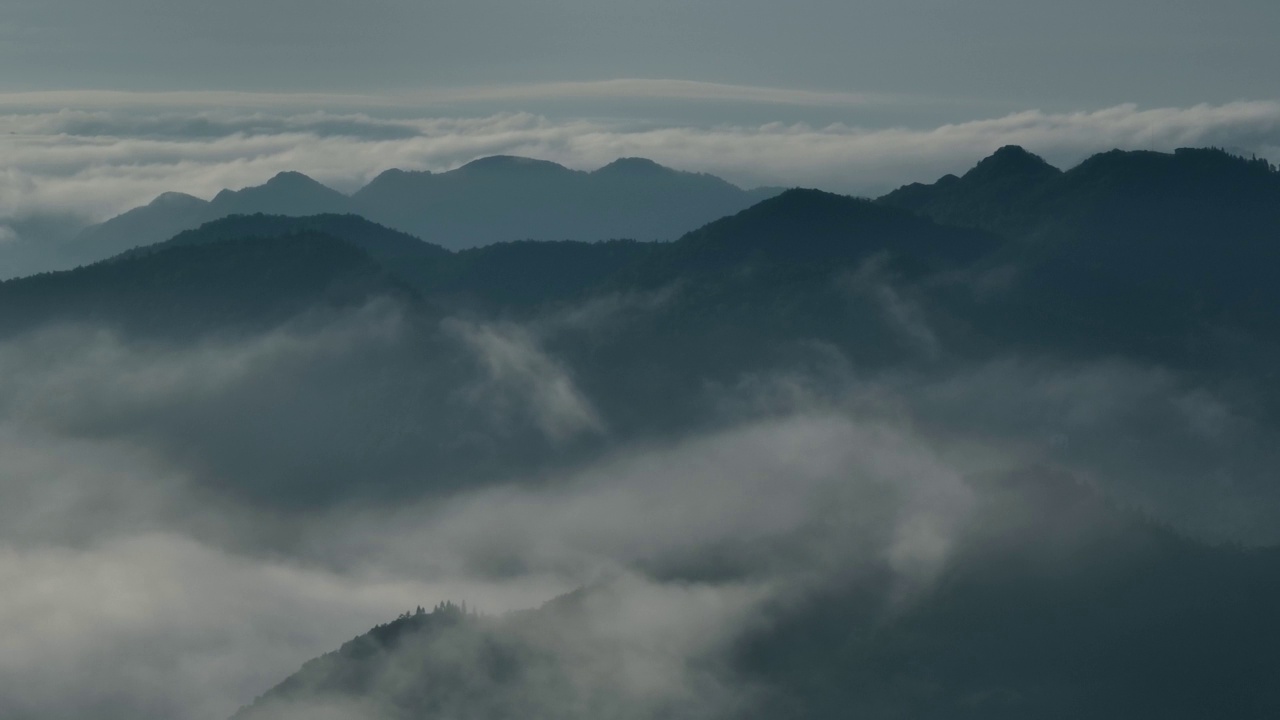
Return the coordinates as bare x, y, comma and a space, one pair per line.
288, 193
1012, 161
511, 162
809, 200
288, 181
397, 174
634, 166
812, 226
175, 200
291, 179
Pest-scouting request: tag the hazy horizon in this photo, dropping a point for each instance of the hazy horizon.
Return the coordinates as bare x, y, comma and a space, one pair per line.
851, 98
117, 151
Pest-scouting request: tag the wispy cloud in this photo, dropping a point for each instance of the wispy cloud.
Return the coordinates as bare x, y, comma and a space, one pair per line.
523, 380
128, 591
622, 88
657, 89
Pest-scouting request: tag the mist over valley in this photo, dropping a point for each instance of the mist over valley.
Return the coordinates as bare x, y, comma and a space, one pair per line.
696, 361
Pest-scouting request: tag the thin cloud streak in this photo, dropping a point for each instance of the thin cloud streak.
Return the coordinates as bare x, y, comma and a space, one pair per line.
668, 89
621, 88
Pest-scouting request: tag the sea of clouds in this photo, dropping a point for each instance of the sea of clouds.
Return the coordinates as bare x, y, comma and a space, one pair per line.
133, 583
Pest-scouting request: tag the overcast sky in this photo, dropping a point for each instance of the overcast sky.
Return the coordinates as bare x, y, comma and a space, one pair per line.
1049, 55
103, 105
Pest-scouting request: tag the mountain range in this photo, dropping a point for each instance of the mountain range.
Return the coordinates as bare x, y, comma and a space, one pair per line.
490, 200
1118, 317
888, 283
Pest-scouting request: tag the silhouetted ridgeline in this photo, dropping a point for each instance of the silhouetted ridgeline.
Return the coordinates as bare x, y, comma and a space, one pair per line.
509, 198
186, 290
1128, 301
490, 200
1167, 256
761, 290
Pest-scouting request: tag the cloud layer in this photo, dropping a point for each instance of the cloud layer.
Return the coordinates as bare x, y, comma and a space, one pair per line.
94, 163
132, 586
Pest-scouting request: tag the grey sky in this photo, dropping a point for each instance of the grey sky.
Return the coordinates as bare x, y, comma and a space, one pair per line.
1001, 53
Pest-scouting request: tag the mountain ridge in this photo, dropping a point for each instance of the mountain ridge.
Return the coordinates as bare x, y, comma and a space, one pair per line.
1174, 243
639, 199
1052, 598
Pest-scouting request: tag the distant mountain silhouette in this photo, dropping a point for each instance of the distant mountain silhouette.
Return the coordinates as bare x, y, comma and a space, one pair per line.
164, 217
508, 198
489, 200
288, 193
798, 234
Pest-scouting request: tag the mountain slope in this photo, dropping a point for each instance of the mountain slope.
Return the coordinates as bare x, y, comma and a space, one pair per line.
1057, 605
650, 332
740, 294
638, 331
396, 251
288, 193
811, 227
998, 194
1185, 195
187, 289
1162, 256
